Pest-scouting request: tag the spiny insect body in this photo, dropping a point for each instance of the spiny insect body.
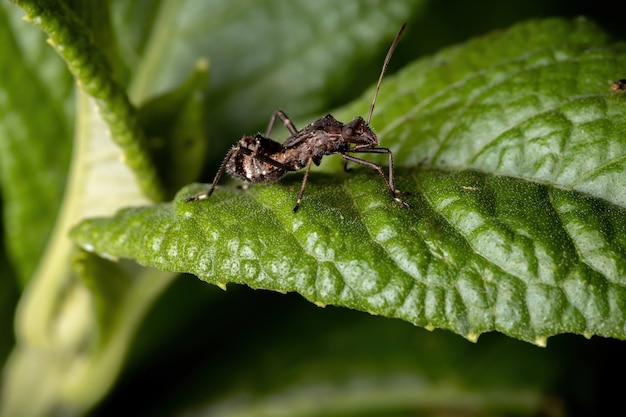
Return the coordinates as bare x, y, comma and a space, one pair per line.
259, 159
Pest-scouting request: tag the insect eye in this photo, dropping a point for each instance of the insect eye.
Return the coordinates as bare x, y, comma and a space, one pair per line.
348, 131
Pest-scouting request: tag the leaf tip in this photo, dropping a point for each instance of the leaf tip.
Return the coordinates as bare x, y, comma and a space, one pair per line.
109, 257
472, 337
88, 247
541, 341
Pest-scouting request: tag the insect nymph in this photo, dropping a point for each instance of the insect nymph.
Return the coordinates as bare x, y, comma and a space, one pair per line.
259, 159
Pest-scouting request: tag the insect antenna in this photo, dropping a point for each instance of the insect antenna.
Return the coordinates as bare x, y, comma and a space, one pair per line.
382, 72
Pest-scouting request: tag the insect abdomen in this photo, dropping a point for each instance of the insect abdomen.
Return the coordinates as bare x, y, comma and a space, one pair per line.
249, 167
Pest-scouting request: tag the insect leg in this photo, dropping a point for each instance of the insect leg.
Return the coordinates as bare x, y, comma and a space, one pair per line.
301, 193
380, 150
388, 183
283, 118
233, 151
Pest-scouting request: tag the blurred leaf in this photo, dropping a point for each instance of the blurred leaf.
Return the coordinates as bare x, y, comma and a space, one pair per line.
73, 338
279, 356
123, 295
175, 124
366, 366
35, 140
478, 251
8, 299
74, 39
264, 55
63, 360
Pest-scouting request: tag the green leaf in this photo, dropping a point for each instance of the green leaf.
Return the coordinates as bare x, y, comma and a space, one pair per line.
264, 55
73, 39
532, 102
475, 253
8, 300
501, 246
34, 139
175, 124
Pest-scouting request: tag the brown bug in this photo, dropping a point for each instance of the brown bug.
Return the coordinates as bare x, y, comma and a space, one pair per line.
259, 159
